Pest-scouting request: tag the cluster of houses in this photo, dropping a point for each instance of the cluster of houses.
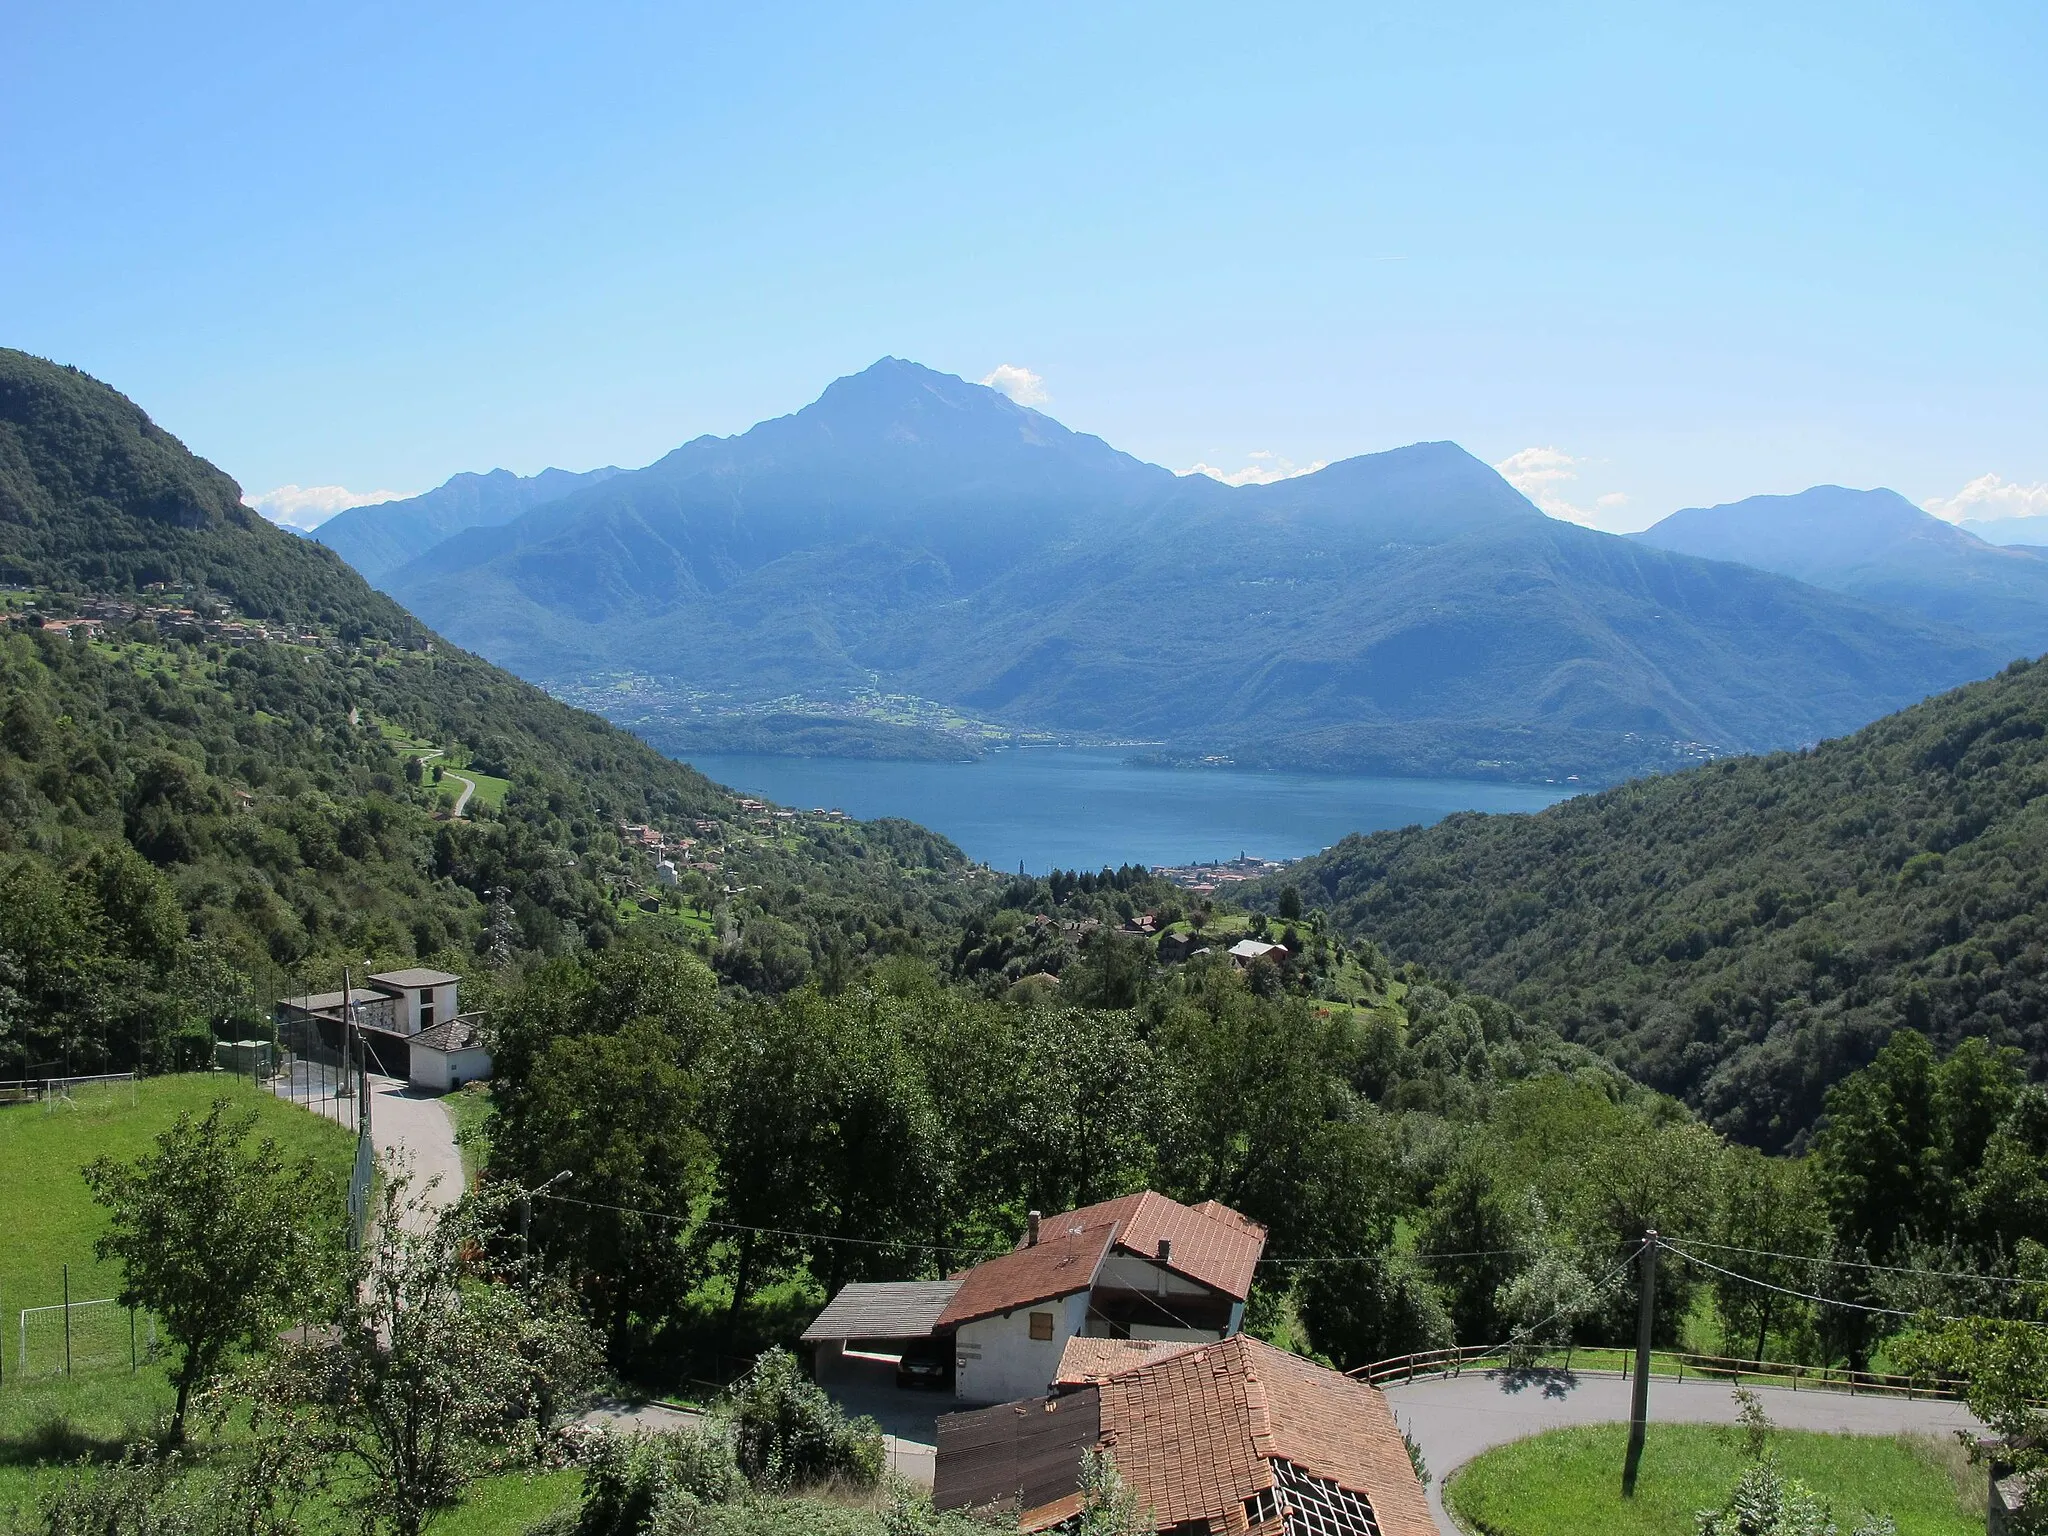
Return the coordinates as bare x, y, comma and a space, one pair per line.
407, 1023
216, 621
1204, 879
1118, 1328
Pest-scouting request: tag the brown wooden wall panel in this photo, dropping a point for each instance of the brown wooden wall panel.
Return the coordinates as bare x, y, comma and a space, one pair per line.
1022, 1454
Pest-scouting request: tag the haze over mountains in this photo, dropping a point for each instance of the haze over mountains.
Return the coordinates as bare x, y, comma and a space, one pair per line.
378, 539
910, 533
1879, 546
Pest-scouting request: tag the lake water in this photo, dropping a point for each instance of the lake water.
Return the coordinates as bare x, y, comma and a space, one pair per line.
1068, 808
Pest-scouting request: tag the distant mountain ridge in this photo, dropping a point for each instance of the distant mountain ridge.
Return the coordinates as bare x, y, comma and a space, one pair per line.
378, 539
1406, 611
2027, 532
1879, 546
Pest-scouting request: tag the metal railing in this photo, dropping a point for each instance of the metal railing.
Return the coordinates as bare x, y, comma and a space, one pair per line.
1612, 1361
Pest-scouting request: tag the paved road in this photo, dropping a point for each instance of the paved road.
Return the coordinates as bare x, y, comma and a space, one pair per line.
468, 789
1454, 1418
414, 1126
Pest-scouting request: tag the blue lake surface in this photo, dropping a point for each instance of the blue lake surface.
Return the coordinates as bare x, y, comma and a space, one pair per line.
1068, 808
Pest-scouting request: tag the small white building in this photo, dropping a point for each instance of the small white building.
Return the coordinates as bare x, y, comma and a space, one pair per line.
424, 998
408, 1023
447, 1056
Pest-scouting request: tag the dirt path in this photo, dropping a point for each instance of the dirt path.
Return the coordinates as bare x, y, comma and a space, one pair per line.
1455, 1418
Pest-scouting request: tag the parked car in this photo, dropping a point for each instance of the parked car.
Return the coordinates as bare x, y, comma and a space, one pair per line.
926, 1363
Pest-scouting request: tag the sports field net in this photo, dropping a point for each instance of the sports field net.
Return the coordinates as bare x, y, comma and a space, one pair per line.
84, 1336
111, 1091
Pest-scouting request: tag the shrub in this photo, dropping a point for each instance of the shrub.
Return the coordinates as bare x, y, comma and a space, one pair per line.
641, 1482
787, 1433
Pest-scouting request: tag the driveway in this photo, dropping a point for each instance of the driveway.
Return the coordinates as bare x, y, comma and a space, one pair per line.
1455, 1418
909, 1418
408, 1124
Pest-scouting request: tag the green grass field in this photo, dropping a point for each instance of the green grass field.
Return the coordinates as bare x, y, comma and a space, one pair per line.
1568, 1482
47, 1217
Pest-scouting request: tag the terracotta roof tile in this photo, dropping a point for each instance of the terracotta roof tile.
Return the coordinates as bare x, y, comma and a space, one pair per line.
1211, 1243
1196, 1435
1062, 1263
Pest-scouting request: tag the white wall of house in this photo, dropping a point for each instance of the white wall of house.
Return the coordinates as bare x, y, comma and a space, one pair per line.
445, 1007
441, 1071
1127, 1272
411, 1015
995, 1360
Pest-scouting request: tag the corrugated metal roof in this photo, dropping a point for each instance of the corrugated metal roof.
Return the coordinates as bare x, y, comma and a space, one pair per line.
902, 1309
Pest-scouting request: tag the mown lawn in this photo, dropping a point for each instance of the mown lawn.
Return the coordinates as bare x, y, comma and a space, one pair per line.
1568, 1482
47, 1217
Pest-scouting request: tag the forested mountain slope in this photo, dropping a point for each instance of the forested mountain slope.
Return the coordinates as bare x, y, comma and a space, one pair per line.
1879, 546
195, 808
1745, 933
918, 534
378, 539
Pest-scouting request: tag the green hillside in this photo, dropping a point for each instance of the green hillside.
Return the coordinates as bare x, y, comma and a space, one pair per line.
227, 786
1746, 933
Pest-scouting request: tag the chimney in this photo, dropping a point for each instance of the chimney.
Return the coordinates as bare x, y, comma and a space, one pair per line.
1166, 1250
1031, 1229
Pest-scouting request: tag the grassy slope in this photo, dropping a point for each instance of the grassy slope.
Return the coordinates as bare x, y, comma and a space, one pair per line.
1568, 1482
48, 1215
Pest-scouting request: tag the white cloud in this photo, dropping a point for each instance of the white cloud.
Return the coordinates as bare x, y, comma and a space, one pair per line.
1538, 473
1020, 384
1988, 499
1265, 467
306, 507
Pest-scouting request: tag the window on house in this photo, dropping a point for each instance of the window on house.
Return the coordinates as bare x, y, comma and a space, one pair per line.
426, 1010
1041, 1326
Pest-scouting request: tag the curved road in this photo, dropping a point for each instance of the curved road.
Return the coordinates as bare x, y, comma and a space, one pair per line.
468, 784
1455, 1418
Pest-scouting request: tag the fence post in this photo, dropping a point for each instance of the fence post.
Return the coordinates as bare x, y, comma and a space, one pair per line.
67, 1319
131, 1341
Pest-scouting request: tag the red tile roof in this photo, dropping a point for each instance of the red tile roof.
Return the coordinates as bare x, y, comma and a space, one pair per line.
1196, 1434
1061, 1263
1212, 1244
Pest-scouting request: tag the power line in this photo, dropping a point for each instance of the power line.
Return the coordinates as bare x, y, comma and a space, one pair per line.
1357, 1258
734, 1226
1825, 1301
1888, 1269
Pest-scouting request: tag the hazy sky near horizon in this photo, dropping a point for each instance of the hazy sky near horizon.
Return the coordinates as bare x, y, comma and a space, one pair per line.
1644, 256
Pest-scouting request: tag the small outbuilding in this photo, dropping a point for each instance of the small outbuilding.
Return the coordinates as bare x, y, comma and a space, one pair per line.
449, 1055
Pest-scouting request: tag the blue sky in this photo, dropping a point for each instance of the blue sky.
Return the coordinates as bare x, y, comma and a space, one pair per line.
1649, 256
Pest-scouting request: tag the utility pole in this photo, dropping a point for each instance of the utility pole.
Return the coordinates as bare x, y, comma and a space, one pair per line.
1639, 1404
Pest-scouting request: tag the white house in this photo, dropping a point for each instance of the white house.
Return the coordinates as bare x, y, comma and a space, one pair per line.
1245, 951
409, 1023
1142, 1267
